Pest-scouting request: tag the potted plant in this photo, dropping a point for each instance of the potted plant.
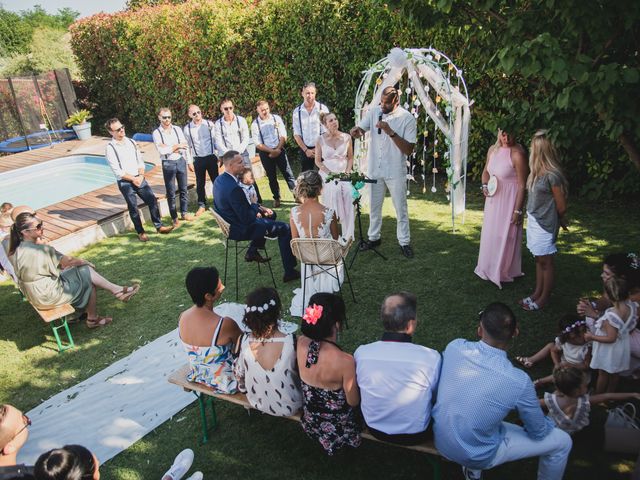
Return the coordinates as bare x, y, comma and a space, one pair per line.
80, 124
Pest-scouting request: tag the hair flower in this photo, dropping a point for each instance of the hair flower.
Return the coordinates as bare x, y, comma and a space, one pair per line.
312, 314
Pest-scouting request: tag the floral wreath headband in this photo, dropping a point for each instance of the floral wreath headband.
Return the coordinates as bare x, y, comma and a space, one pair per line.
576, 324
635, 262
312, 314
261, 308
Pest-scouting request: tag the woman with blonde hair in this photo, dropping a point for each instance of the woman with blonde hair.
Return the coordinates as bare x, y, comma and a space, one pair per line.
546, 209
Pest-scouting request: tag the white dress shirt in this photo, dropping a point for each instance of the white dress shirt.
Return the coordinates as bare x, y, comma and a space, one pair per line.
124, 157
307, 124
200, 138
268, 132
232, 135
166, 139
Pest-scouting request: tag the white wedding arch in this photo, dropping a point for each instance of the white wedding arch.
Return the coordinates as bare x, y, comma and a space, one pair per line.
430, 85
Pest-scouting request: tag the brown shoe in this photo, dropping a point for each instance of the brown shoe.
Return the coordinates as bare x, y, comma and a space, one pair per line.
143, 237
200, 211
256, 257
176, 223
164, 229
187, 217
276, 203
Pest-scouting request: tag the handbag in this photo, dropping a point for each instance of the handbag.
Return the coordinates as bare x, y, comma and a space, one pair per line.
621, 430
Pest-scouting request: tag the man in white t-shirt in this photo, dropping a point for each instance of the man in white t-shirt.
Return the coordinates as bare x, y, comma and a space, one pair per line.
392, 137
397, 379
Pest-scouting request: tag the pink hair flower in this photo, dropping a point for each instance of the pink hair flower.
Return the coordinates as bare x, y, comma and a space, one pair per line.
312, 314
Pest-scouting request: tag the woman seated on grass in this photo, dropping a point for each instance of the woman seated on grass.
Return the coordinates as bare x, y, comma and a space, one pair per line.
49, 279
207, 337
328, 375
266, 367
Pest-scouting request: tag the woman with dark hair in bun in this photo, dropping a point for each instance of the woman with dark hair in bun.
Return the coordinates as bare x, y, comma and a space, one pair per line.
71, 462
328, 376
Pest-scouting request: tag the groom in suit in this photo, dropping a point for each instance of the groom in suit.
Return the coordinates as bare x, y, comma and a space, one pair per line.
248, 221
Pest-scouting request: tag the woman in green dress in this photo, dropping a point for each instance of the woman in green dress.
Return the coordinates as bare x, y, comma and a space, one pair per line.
49, 279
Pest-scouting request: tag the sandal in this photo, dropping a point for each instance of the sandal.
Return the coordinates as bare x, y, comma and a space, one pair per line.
525, 301
525, 362
531, 306
98, 322
127, 292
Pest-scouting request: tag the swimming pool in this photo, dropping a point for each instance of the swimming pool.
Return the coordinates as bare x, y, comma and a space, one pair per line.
56, 180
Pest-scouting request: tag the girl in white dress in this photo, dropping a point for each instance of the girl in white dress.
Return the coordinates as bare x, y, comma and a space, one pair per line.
311, 219
611, 347
334, 154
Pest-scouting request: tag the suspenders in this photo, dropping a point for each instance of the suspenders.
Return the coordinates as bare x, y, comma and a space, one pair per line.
118, 156
300, 119
195, 153
162, 138
275, 124
224, 139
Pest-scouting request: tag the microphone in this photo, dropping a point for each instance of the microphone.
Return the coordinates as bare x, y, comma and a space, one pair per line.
379, 120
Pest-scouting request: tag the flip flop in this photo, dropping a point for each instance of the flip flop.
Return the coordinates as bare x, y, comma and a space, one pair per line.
127, 292
98, 322
525, 362
524, 301
531, 306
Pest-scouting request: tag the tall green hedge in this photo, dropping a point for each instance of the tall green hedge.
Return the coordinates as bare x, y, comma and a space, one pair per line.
136, 61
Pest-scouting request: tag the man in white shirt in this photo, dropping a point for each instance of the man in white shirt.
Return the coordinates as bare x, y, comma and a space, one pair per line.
232, 133
397, 379
392, 137
307, 126
200, 137
174, 153
269, 135
126, 162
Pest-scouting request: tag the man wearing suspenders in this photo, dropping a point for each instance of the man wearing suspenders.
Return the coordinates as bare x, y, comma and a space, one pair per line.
269, 135
232, 133
127, 165
307, 126
199, 133
175, 156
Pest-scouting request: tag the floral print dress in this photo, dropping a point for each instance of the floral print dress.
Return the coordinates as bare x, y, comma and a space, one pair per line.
327, 417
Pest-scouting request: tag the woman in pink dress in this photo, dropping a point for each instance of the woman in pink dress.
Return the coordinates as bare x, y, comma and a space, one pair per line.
499, 259
334, 154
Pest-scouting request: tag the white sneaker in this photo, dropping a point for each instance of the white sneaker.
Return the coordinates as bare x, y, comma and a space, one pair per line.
196, 476
470, 474
181, 465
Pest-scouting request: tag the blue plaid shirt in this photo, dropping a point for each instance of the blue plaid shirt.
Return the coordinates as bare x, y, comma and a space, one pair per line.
478, 388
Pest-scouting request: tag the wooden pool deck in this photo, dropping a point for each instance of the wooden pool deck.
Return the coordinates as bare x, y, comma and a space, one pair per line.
82, 220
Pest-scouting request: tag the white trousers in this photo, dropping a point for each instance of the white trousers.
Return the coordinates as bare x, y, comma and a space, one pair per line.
398, 191
553, 450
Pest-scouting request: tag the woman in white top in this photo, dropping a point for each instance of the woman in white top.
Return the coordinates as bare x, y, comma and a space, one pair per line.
334, 154
266, 367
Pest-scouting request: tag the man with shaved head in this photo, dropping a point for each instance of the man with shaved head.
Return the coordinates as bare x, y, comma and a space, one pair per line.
14, 432
397, 378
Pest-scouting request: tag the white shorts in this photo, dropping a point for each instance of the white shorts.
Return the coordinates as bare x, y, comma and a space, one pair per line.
539, 241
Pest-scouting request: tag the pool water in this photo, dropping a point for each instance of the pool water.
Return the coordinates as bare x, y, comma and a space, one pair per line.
56, 180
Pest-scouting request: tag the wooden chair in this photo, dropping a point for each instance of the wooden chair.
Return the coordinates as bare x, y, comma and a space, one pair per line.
240, 246
326, 254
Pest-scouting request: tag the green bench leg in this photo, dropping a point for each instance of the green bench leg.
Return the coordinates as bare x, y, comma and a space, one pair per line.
57, 325
202, 402
436, 465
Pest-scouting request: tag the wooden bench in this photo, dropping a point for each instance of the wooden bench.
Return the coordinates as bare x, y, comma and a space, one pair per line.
207, 394
57, 318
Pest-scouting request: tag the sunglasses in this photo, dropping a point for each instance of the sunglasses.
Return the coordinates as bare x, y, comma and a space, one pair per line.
166, 117
27, 423
121, 129
37, 227
227, 108
195, 113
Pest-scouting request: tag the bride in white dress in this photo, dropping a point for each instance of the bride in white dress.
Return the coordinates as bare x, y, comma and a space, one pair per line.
311, 219
334, 154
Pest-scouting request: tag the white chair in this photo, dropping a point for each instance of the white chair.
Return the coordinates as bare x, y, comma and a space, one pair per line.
240, 246
325, 253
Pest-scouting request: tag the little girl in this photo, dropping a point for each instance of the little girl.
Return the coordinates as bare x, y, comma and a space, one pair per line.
569, 347
570, 404
611, 347
247, 183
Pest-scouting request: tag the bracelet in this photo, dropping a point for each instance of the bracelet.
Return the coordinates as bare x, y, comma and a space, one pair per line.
393, 134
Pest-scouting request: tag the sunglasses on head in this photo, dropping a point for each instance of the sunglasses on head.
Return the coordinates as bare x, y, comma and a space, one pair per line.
166, 117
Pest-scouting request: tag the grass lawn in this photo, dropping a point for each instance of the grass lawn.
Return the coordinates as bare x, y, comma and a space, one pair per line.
261, 447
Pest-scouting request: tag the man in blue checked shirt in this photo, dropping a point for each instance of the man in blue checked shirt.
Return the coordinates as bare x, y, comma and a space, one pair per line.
478, 388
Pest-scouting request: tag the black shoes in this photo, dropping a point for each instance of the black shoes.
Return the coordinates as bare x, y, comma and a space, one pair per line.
256, 257
407, 251
369, 244
289, 277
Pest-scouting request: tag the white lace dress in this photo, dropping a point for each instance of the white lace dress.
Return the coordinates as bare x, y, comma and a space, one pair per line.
338, 195
614, 357
320, 281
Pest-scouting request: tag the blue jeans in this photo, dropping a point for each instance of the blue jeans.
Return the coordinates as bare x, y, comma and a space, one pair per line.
202, 166
173, 170
131, 193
